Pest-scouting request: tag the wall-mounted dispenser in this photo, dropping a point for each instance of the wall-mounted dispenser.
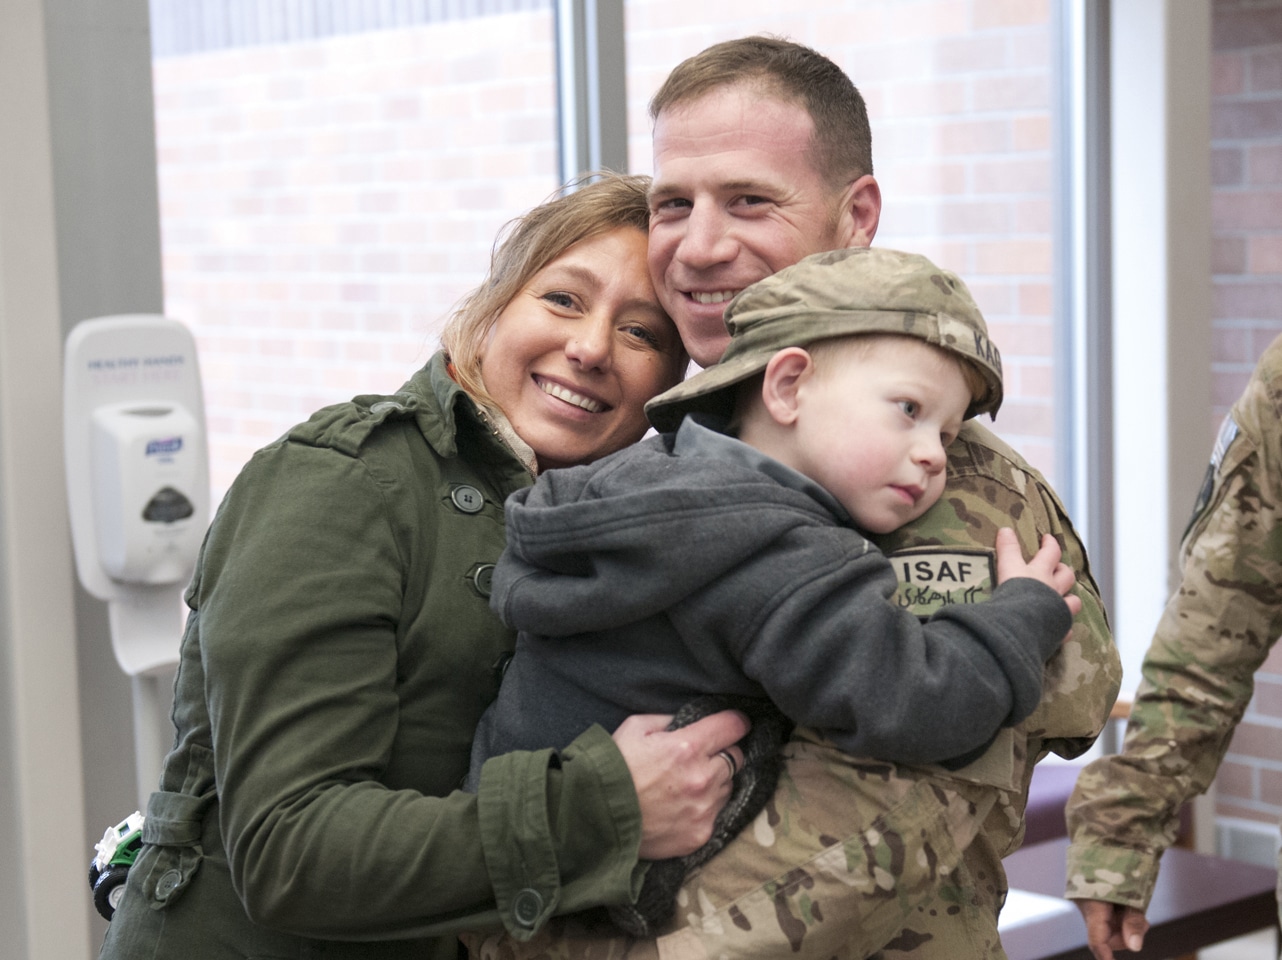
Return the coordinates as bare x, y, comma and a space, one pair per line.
138, 490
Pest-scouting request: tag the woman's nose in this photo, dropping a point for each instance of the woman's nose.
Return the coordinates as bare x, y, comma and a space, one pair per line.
590, 344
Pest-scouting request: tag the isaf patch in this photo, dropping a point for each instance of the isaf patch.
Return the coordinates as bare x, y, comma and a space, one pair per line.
931, 578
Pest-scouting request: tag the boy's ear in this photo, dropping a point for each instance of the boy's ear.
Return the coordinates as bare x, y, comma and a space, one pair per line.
785, 373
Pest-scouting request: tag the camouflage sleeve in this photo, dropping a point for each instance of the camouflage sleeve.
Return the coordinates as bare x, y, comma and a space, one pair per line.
991, 486
1197, 675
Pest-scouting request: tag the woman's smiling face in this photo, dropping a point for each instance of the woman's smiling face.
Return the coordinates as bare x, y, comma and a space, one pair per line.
573, 358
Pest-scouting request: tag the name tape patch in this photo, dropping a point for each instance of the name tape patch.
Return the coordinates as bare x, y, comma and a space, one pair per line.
931, 578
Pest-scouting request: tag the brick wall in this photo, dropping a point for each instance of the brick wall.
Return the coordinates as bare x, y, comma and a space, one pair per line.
323, 203
1246, 164
325, 200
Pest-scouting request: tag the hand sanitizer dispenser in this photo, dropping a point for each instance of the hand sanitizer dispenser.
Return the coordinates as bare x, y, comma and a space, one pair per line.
138, 492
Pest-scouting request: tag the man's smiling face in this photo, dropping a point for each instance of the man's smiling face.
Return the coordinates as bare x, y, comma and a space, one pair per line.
735, 199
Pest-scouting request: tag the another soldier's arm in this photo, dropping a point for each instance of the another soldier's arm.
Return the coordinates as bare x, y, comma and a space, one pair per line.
1197, 675
1111, 926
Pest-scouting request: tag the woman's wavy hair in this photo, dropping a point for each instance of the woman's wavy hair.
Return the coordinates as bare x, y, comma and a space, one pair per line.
582, 209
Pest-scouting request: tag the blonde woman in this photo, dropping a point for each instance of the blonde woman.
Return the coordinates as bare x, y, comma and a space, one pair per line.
340, 646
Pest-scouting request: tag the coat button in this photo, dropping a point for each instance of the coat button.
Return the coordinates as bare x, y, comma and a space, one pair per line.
167, 884
481, 576
467, 498
526, 907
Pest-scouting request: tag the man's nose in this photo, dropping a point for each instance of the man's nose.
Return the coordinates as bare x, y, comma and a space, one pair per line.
707, 240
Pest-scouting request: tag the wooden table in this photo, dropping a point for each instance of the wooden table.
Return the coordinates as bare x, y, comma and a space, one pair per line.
1199, 900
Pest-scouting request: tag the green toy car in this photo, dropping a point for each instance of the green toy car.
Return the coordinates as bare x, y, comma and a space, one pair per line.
117, 851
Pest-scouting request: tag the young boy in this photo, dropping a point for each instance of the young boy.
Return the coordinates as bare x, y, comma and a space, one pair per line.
727, 557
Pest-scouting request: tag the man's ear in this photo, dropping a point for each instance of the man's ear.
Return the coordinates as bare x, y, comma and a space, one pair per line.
860, 213
785, 373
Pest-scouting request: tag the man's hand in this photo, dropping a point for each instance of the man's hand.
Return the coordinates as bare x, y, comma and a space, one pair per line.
1045, 566
681, 777
1111, 926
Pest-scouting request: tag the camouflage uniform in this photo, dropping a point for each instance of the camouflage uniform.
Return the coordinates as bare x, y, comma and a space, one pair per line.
1216, 631
867, 858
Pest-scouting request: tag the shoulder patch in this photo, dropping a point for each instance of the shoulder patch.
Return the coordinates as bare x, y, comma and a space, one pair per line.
931, 578
1223, 440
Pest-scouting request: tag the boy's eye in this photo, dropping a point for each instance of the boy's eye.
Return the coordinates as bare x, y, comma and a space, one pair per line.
910, 407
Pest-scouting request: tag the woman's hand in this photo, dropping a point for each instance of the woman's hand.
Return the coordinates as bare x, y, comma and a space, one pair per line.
1045, 566
681, 777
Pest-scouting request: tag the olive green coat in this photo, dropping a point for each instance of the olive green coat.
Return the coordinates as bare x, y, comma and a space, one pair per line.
338, 654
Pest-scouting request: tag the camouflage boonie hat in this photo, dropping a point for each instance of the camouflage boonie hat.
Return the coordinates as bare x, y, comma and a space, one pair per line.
836, 294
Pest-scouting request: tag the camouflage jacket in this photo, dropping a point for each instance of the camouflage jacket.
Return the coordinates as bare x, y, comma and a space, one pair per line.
1197, 675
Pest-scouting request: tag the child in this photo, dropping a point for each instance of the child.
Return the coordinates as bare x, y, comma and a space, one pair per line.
727, 558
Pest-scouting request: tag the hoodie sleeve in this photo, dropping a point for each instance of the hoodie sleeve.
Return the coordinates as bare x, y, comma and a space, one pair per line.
834, 653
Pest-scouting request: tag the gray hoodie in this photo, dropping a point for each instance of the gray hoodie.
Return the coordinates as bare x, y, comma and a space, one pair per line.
691, 564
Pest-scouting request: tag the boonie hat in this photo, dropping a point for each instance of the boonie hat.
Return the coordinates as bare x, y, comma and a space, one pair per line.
837, 294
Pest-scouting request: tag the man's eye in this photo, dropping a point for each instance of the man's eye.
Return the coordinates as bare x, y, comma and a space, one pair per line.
672, 203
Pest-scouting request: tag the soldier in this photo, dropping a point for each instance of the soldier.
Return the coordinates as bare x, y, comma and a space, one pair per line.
1197, 675
762, 156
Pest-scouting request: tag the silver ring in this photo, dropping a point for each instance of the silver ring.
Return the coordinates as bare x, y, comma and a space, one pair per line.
730, 762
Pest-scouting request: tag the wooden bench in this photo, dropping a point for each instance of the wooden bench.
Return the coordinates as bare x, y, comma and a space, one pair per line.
1199, 900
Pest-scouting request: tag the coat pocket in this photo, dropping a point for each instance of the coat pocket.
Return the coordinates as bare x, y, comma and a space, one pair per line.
173, 828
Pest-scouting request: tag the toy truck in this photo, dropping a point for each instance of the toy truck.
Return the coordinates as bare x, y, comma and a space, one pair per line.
116, 853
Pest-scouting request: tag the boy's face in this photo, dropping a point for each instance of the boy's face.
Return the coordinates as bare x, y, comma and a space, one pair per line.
872, 424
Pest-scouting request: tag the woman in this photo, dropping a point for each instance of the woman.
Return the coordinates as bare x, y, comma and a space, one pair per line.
340, 648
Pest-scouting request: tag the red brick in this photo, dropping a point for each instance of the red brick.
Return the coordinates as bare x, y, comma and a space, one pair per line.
1247, 300
1270, 787
974, 136
1031, 133
1036, 300
1247, 119
1015, 257
926, 98
988, 14
970, 53
1228, 74
1014, 92
1246, 210
1227, 166
1265, 69
1236, 781
1257, 740
1264, 163
1248, 26
1012, 176
1264, 254
1022, 338
1244, 812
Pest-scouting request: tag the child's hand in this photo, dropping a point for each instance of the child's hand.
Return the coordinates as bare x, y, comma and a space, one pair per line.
1045, 566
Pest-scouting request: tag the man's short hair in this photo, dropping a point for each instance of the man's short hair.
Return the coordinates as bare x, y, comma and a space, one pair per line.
841, 147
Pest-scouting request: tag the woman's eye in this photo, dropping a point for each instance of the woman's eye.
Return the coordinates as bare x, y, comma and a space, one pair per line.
558, 299
642, 333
